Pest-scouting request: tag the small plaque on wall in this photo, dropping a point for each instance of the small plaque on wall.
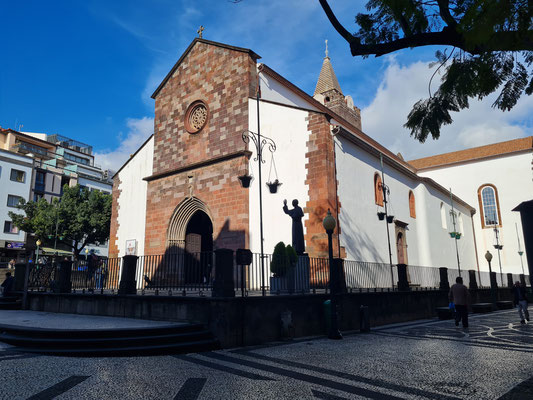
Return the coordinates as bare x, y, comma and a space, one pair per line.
131, 247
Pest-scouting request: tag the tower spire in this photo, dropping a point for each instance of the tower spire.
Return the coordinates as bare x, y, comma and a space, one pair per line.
327, 79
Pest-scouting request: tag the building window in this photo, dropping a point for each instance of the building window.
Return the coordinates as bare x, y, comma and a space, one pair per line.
18, 176
461, 226
12, 200
40, 180
443, 216
489, 206
378, 190
10, 228
37, 197
412, 211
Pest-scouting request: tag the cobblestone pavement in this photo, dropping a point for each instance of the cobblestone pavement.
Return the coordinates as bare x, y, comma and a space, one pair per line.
419, 360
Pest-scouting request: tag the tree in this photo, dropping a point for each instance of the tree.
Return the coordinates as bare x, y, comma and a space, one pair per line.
491, 41
80, 217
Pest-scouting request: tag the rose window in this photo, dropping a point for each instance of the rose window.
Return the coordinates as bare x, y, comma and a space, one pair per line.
196, 117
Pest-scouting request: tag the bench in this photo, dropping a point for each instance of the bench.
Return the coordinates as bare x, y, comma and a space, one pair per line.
479, 308
504, 305
444, 313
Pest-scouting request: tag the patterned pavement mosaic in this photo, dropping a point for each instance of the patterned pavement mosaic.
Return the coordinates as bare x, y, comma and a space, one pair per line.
419, 360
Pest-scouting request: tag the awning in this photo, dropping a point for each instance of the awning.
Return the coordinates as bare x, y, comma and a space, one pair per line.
50, 251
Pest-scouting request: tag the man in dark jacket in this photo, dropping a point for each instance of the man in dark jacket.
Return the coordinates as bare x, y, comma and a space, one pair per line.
460, 296
8, 285
520, 300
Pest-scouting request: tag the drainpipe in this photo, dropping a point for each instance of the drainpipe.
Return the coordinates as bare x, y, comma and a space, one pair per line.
334, 131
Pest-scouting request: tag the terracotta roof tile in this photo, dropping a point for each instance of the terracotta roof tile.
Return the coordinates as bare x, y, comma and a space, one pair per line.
475, 153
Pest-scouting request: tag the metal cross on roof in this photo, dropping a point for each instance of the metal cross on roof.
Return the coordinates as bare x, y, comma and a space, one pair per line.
199, 31
327, 55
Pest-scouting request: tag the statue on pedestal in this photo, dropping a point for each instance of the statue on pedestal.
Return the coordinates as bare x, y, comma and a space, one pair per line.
296, 214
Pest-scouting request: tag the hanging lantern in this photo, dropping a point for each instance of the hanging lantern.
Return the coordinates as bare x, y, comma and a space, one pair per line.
452, 234
381, 215
390, 218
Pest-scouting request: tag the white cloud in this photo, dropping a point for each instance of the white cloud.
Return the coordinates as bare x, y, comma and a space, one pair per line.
480, 124
139, 130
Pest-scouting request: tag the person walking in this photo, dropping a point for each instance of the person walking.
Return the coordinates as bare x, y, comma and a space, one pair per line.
520, 300
460, 296
8, 285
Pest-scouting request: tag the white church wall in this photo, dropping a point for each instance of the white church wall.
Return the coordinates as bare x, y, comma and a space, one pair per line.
272, 90
132, 199
288, 128
364, 236
512, 176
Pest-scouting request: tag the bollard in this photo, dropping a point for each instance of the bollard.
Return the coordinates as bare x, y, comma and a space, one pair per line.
20, 274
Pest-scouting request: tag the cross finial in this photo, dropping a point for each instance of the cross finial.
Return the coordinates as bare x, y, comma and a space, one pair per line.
327, 53
199, 31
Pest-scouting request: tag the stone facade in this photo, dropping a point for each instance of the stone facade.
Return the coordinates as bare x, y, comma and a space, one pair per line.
113, 233
185, 164
322, 186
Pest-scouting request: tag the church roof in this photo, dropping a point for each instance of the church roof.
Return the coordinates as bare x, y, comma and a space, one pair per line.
474, 154
186, 52
327, 79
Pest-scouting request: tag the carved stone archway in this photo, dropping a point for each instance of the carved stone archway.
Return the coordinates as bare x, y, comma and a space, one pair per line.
177, 228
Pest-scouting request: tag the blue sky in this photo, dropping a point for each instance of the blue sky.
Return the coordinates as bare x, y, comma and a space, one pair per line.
86, 69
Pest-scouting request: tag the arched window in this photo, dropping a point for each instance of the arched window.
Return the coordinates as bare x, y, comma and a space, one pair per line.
461, 226
443, 216
378, 190
489, 206
412, 211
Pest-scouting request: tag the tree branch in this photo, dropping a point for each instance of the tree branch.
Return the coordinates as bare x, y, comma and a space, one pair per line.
444, 10
336, 24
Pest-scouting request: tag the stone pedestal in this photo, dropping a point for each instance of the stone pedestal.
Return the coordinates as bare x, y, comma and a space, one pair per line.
223, 285
472, 278
510, 282
128, 284
64, 271
403, 283
444, 283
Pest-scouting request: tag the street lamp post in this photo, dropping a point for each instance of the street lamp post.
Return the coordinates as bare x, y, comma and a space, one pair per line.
38, 243
329, 224
260, 141
488, 257
386, 191
499, 247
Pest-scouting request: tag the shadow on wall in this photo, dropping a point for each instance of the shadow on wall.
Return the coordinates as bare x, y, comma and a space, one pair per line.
187, 265
358, 243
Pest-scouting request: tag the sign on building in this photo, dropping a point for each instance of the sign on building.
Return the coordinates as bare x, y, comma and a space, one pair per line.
131, 247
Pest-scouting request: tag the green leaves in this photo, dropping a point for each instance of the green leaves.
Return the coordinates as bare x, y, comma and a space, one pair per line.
80, 217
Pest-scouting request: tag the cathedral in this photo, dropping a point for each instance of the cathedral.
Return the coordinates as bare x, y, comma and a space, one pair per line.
228, 127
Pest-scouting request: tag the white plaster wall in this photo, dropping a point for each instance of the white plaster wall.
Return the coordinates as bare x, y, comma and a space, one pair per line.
8, 187
512, 176
272, 90
132, 199
288, 128
365, 237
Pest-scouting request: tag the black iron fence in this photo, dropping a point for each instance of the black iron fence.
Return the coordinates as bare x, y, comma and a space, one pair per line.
194, 273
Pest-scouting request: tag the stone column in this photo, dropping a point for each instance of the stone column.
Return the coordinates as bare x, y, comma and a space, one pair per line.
472, 277
128, 284
223, 285
64, 271
403, 283
444, 283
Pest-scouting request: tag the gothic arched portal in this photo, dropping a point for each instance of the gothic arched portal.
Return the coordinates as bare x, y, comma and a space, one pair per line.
191, 217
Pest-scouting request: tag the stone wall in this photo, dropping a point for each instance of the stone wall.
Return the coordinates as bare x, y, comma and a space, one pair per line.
253, 320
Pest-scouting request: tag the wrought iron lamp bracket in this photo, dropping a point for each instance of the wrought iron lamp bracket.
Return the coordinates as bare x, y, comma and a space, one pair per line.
259, 144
